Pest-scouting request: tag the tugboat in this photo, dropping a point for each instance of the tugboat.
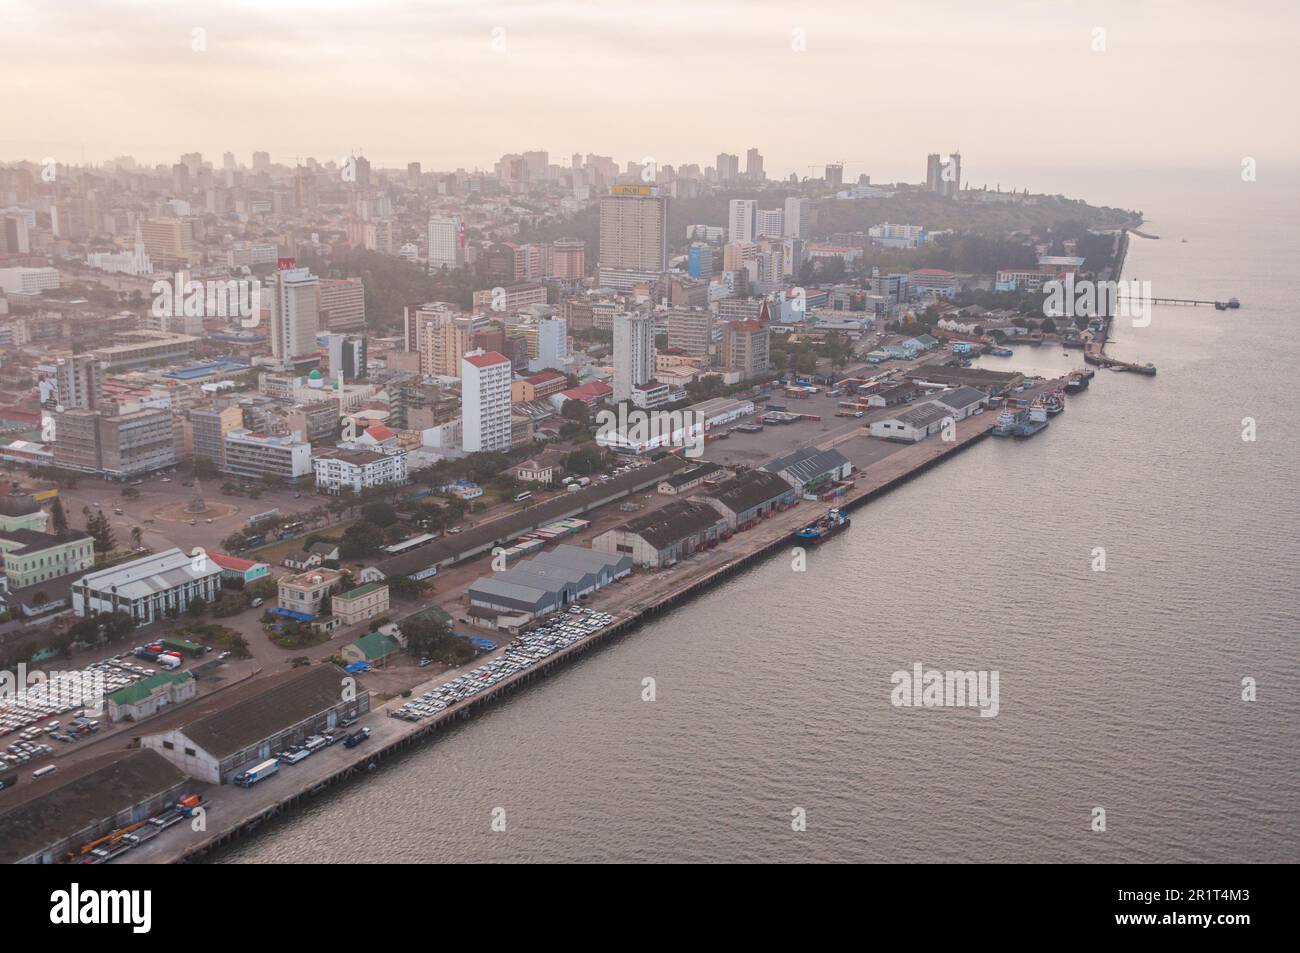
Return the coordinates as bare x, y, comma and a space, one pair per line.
1076, 383
818, 531
1037, 421
1001, 352
1054, 403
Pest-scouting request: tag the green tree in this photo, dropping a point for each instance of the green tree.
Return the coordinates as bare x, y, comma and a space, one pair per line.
58, 518
360, 540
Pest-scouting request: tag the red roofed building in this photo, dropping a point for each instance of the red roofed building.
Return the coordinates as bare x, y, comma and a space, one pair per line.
379, 435
542, 384
485, 401
591, 394
232, 567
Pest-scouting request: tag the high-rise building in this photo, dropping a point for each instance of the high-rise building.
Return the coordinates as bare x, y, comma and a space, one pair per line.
634, 353
347, 352
117, 445
769, 223
728, 168
742, 220
794, 225
552, 345
210, 426
834, 174
295, 313
691, 331
754, 166
79, 382
943, 174
443, 337
699, 261
169, 241
342, 304
633, 236
485, 401
568, 259
261, 161
446, 242
745, 347
413, 173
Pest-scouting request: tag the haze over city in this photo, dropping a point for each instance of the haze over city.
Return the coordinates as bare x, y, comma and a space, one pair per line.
455, 84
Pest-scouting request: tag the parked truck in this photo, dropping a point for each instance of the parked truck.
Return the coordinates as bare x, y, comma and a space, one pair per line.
257, 773
356, 738
168, 661
192, 649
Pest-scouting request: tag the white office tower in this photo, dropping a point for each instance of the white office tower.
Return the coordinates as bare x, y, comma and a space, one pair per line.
634, 353
552, 345
742, 220
485, 401
768, 223
794, 226
295, 313
446, 242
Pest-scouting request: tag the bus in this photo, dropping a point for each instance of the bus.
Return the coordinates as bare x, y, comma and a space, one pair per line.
523, 497
42, 772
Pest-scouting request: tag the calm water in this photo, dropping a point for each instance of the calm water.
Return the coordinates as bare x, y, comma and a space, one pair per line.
1118, 689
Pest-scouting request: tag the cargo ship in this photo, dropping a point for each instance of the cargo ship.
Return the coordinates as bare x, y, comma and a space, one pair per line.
818, 531
1076, 383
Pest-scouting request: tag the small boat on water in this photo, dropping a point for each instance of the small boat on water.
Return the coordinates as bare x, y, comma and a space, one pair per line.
1001, 352
820, 530
1054, 403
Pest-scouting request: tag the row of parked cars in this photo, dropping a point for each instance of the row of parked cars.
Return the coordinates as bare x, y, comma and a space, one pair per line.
40, 701
558, 631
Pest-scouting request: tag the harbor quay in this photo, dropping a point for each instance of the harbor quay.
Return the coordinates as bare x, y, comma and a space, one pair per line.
233, 812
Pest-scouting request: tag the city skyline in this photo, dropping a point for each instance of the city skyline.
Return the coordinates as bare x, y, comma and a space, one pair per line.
488, 71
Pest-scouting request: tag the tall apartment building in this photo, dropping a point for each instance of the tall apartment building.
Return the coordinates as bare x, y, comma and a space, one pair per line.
295, 313
169, 242
943, 174
116, 445
633, 236
342, 304
443, 337
754, 166
742, 220
794, 223
769, 223
834, 174
446, 242
78, 380
691, 331
210, 426
745, 347
728, 168
634, 353
552, 344
347, 352
568, 259
485, 401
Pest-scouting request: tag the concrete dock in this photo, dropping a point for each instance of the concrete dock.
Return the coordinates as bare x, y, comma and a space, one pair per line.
234, 812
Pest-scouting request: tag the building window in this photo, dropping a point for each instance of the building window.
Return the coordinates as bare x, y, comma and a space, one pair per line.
169, 746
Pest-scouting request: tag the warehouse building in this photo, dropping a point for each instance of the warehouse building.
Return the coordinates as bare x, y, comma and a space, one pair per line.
913, 425
45, 821
963, 402
666, 535
148, 696
549, 581
750, 497
215, 737
683, 481
810, 468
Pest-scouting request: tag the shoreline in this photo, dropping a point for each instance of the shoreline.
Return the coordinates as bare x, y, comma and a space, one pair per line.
391, 737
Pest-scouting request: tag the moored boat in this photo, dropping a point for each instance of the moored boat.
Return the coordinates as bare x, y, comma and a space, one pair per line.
832, 524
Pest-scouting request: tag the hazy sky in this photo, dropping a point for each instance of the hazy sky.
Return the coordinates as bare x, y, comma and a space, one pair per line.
1016, 86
